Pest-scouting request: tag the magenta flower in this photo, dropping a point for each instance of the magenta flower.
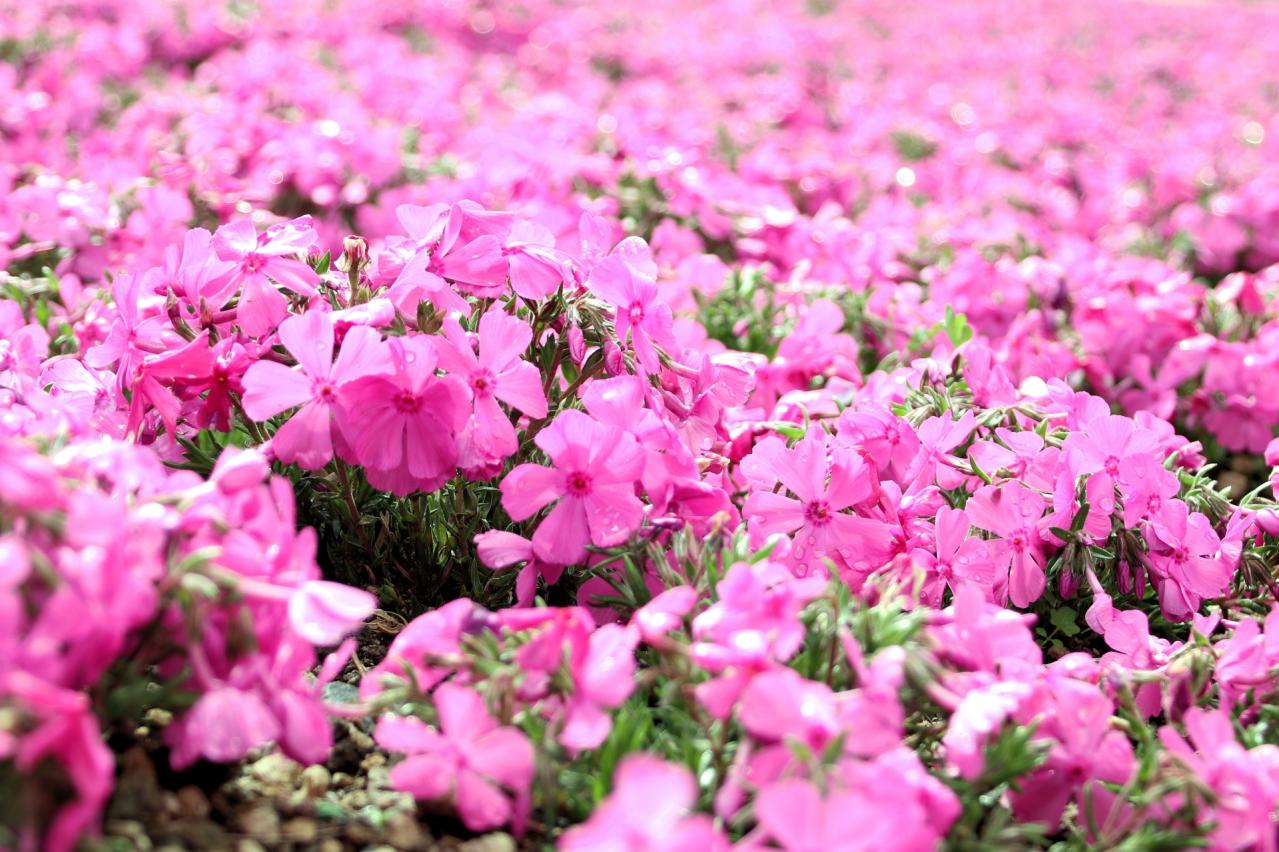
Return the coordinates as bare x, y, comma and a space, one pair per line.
1085, 752
649, 810
958, 558
1245, 781
497, 373
323, 612
627, 280
1013, 512
264, 265
501, 549
937, 437
603, 672
816, 517
485, 768
799, 819
315, 384
404, 425
436, 633
1187, 560
592, 484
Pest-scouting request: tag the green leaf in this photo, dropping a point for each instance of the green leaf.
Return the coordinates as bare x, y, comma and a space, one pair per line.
957, 327
1063, 618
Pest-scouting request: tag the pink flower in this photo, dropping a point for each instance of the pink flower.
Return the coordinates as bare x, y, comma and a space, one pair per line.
497, 373
1245, 782
795, 815
937, 437
195, 273
437, 633
627, 280
487, 769
982, 636
501, 549
1013, 512
263, 263
323, 612
754, 624
816, 516
592, 484
59, 726
888, 438
959, 558
223, 726
1185, 554
782, 705
1085, 752
316, 384
980, 714
648, 811
137, 330
603, 677
664, 614
404, 425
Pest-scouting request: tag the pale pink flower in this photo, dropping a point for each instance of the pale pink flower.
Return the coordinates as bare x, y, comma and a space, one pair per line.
497, 373
264, 263
649, 810
316, 384
592, 484
485, 768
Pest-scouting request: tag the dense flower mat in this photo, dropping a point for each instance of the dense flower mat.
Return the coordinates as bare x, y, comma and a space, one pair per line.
800, 425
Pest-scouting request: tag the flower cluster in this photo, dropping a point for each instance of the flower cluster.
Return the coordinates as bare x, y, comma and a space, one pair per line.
128, 587
812, 434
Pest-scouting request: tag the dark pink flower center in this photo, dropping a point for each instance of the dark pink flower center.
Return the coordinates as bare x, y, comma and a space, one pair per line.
253, 262
1112, 465
578, 484
817, 512
482, 383
406, 403
325, 392
636, 313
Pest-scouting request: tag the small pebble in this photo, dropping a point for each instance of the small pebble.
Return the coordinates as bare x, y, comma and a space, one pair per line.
495, 842
192, 803
275, 769
300, 830
404, 832
261, 823
316, 780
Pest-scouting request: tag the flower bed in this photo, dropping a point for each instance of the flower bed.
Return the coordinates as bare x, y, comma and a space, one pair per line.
757, 425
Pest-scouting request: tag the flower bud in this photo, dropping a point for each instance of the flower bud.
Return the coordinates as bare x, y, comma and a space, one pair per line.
576, 344
355, 250
1268, 521
613, 360
239, 469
